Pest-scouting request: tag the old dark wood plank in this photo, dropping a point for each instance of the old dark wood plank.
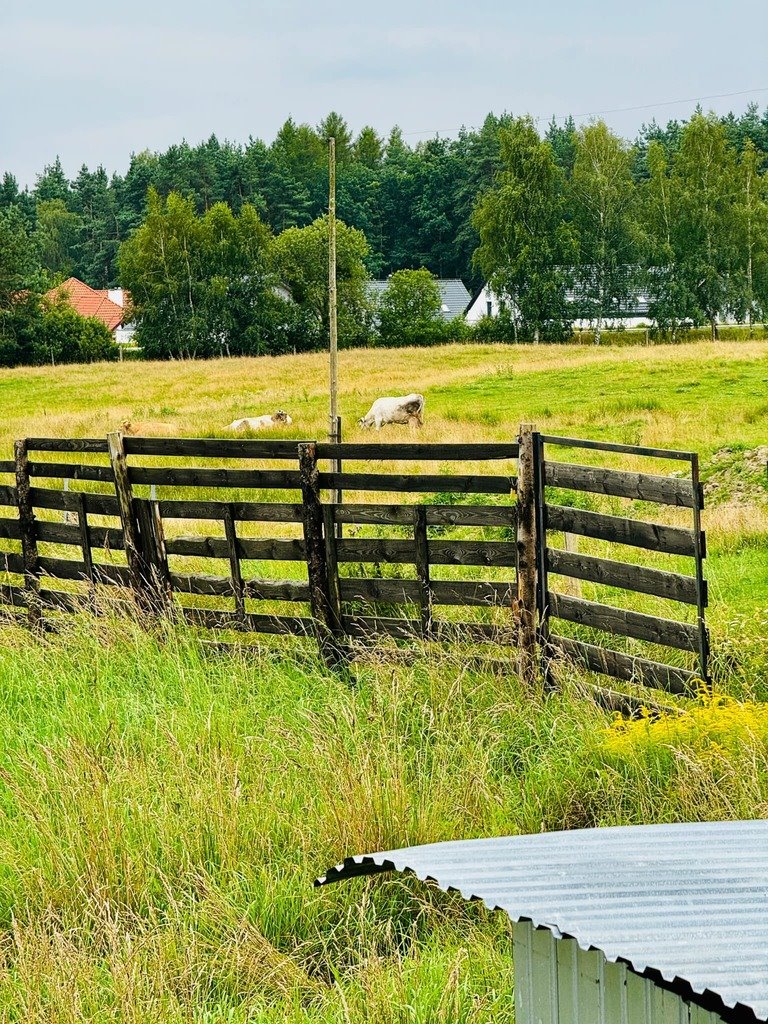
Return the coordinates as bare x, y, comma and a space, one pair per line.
238, 589
377, 590
673, 540
421, 452
257, 550
7, 466
8, 495
611, 446
13, 595
673, 586
625, 666
154, 557
124, 495
285, 479
10, 529
332, 563
437, 515
95, 504
85, 539
68, 533
97, 445
417, 483
444, 592
370, 626
605, 617
11, 562
28, 532
324, 611
71, 569
473, 593
283, 624
422, 571
242, 511
212, 447
70, 471
525, 605
221, 586
441, 552
642, 486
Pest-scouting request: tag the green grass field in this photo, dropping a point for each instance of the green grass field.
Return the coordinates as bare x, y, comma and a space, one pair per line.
165, 806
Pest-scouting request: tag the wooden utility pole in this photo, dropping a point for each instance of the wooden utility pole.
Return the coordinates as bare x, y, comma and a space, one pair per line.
334, 432
332, 316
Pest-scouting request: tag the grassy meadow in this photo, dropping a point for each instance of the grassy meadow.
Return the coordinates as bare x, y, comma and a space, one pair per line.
165, 804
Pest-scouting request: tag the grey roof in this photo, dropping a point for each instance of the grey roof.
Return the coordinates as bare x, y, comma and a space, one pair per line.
453, 295
686, 904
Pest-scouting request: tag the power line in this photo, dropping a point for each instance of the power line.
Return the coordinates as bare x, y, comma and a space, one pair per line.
600, 113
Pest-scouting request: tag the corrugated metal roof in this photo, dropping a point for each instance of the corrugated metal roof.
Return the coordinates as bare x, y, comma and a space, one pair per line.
687, 903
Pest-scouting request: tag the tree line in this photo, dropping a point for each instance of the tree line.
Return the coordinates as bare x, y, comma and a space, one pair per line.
222, 244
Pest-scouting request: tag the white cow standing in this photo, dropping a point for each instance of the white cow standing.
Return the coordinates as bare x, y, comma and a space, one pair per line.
409, 409
277, 419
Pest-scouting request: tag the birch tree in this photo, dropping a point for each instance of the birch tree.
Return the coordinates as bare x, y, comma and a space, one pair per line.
603, 202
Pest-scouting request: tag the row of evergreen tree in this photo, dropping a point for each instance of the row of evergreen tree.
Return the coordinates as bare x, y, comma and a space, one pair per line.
414, 203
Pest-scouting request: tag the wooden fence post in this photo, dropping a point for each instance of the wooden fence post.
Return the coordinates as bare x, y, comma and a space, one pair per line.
153, 557
28, 536
143, 538
236, 574
422, 569
328, 627
526, 556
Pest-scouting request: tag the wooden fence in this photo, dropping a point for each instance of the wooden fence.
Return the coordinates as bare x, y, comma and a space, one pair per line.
143, 511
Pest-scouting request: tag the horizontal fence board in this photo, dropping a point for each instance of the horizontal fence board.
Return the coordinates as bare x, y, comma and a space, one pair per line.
623, 574
642, 486
417, 483
95, 504
437, 515
54, 599
423, 452
7, 466
110, 538
221, 586
242, 511
441, 552
216, 547
8, 495
370, 626
12, 594
673, 540
294, 625
71, 471
211, 447
444, 592
69, 569
97, 445
624, 666
11, 562
287, 479
612, 446
667, 632
10, 529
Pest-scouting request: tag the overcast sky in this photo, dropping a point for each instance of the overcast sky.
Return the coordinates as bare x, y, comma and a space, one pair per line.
93, 81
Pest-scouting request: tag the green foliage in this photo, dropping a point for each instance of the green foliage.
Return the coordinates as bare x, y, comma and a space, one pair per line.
200, 285
299, 257
409, 310
35, 333
526, 244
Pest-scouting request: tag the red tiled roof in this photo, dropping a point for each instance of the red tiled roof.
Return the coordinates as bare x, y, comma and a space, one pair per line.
88, 302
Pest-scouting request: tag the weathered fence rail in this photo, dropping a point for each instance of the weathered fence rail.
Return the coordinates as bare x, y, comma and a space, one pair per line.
165, 547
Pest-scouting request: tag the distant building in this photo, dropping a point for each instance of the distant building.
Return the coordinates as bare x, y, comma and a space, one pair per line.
484, 302
454, 296
110, 305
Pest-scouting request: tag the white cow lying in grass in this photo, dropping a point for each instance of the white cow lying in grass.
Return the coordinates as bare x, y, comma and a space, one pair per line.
409, 409
277, 419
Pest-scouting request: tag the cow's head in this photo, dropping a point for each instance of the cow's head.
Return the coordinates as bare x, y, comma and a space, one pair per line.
281, 417
365, 421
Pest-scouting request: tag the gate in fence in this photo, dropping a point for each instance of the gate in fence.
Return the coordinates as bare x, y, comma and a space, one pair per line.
155, 519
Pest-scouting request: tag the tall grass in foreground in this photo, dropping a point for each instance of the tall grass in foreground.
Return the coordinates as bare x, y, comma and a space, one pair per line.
166, 807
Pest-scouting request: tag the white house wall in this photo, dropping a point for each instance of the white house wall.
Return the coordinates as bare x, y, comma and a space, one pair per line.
557, 982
